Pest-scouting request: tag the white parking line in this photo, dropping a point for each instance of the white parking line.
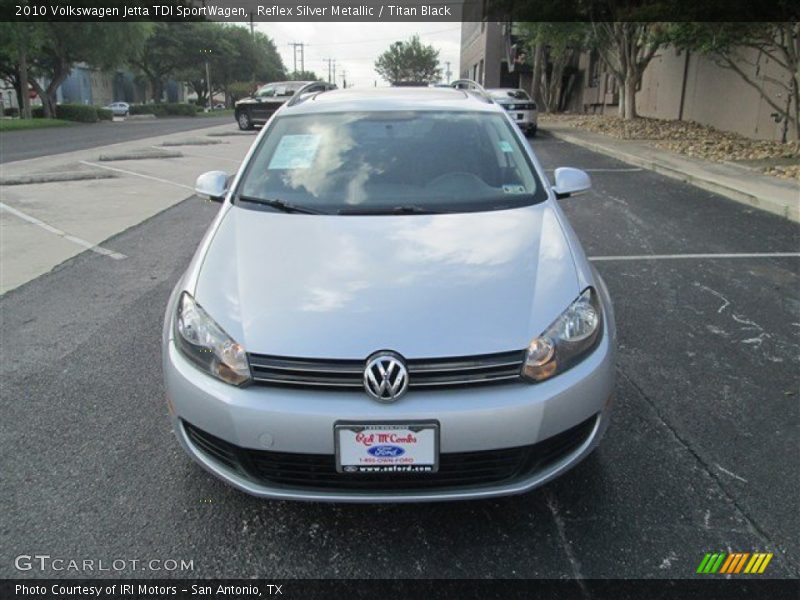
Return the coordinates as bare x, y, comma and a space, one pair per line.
75, 240
684, 256
134, 173
619, 170
186, 153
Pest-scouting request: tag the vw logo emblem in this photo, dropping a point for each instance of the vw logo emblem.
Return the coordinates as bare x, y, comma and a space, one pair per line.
385, 377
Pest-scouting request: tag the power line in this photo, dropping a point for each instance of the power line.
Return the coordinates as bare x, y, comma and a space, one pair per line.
384, 39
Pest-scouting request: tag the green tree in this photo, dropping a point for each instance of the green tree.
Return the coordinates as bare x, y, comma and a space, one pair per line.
232, 55
303, 76
626, 48
626, 33
18, 41
158, 58
409, 62
554, 47
745, 48
100, 45
240, 89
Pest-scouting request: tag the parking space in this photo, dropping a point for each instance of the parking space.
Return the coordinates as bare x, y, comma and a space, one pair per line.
76, 214
702, 453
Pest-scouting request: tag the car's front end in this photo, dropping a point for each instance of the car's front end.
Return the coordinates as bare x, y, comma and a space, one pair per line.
521, 108
362, 355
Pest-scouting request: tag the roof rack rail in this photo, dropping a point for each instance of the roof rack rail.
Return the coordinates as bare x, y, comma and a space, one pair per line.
468, 85
305, 92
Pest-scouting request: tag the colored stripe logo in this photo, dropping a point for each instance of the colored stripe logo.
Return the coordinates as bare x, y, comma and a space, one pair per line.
734, 563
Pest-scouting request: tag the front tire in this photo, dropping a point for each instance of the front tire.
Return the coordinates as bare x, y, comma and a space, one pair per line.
244, 121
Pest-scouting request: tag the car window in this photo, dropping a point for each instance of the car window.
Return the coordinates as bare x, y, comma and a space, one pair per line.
437, 161
266, 91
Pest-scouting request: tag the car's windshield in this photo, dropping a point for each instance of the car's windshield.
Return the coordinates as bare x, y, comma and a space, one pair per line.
421, 161
506, 94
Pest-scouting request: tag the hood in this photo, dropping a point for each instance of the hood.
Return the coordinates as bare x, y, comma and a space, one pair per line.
421, 285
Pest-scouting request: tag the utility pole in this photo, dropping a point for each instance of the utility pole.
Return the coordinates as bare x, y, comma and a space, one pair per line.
330, 62
448, 73
206, 52
334, 71
295, 46
208, 81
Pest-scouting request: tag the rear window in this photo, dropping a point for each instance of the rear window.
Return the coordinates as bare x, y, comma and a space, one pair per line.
362, 162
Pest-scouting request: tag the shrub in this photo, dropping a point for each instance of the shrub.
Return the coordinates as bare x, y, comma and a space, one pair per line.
11, 112
164, 109
82, 113
69, 112
104, 114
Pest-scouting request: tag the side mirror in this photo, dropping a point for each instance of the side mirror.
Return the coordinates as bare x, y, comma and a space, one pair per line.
570, 181
213, 185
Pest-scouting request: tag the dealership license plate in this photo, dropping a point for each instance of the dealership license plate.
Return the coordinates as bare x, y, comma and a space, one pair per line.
405, 448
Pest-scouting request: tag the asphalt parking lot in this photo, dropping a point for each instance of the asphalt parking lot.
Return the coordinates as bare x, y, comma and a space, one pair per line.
32, 143
702, 453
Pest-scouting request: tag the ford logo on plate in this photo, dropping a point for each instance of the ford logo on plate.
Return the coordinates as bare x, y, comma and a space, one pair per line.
392, 451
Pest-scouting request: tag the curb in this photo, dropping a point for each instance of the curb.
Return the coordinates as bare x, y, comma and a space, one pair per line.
774, 206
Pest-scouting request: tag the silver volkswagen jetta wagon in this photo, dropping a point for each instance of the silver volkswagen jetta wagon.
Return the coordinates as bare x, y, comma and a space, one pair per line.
389, 306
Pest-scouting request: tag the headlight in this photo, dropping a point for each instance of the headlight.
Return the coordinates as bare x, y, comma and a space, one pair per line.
567, 340
207, 345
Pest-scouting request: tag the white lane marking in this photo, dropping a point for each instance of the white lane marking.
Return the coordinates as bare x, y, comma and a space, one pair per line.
238, 162
135, 174
620, 170
75, 240
685, 256
734, 475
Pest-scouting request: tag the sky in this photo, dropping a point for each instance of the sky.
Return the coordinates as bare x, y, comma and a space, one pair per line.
356, 46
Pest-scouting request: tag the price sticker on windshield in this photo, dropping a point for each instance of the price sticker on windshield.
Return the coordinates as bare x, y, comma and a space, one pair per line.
295, 152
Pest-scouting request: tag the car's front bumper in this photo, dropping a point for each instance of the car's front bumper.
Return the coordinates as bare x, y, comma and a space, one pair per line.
471, 419
525, 119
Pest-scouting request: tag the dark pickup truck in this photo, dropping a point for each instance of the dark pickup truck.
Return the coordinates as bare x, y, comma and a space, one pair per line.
257, 109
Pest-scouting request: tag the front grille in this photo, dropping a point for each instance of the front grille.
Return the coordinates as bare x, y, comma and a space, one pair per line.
522, 106
422, 373
456, 470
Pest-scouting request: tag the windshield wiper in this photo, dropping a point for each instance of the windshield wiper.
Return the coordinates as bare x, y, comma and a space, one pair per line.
389, 210
281, 205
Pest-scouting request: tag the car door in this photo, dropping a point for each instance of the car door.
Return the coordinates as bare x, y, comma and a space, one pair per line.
283, 91
262, 107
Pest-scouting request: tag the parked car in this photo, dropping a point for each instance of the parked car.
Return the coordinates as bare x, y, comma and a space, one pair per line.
257, 110
519, 106
119, 109
389, 306
219, 106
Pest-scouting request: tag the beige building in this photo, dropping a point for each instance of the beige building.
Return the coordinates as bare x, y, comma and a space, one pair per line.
486, 52
676, 85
